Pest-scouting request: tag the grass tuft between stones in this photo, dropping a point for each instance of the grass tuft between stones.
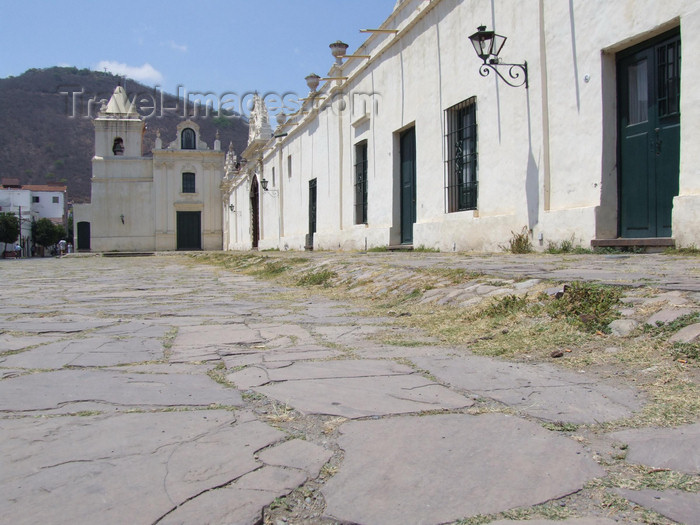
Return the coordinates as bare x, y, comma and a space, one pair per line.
319, 278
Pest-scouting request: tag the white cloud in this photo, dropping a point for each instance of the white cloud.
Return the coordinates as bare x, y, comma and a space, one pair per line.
177, 47
145, 73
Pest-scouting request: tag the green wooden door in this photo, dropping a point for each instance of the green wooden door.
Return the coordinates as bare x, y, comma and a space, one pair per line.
407, 148
312, 206
189, 230
649, 136
254, 212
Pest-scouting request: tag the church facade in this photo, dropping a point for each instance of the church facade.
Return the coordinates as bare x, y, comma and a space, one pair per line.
170, 201
414, 140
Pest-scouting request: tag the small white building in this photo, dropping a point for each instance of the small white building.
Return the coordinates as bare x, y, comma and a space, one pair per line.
48, 201
170, 201
31, 202
406, 143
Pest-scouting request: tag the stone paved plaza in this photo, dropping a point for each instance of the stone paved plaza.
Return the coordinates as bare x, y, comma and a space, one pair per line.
155, 390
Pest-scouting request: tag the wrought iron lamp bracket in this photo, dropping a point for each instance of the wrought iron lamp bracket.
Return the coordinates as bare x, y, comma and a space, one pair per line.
264, 183
516, 72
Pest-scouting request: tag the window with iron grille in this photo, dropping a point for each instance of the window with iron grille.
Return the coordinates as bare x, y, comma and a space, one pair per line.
188, 183
461, 163
188, 139
361, 183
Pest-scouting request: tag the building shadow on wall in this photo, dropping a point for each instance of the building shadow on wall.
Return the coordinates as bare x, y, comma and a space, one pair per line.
532, 177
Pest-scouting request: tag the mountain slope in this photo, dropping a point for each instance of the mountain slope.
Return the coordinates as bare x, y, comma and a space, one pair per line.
46, 134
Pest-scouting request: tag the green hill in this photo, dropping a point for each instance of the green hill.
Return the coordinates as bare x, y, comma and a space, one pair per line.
46, 134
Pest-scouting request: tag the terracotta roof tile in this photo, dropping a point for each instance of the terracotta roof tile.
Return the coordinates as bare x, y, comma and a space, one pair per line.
44, 187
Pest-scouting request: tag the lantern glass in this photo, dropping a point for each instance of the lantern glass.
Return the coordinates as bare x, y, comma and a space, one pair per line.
497, 44
263, 183
487, 43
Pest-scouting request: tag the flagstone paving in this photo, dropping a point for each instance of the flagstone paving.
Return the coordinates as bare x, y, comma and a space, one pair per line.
680, 506
486, 463
158, 391
672, 448
540, 390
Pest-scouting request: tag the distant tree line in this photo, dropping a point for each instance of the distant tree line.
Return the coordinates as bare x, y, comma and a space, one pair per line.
44, 232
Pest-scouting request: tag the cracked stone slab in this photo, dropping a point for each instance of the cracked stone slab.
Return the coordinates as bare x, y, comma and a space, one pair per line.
377, 350
667, 315
574, 521
242, 501
298, 454
277, 358
675, 298
540, 390
283, 335
72, 469
164, 368
224, 506
347, 334
260, 375
688, 334
674, 448
91, 351
175, 320
254, 376
249, 377
48, 325
212, 336
438, 469
683, 507
355, 397
59, 389
135, 329
9, 342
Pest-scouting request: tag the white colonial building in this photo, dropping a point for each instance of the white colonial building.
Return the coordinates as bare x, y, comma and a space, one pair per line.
406, 143
170, 201
31, 202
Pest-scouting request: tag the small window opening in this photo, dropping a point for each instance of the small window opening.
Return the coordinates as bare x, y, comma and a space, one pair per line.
188, 139
188, 183
118, 146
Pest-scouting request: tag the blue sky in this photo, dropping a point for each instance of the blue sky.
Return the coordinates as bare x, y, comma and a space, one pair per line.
219, 46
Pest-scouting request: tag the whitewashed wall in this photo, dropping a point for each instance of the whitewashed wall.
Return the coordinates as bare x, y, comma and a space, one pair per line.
169, 165
547, 155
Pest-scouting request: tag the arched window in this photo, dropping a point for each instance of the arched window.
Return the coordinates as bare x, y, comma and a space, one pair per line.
188, 139
118, 146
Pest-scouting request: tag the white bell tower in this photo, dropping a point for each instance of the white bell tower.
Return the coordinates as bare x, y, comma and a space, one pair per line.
118, 128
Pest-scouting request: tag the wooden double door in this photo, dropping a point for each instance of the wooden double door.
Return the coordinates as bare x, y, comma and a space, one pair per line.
649, 136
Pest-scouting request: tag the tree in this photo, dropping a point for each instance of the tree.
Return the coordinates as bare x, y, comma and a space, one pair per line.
9, 227
69, 228
47, 233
